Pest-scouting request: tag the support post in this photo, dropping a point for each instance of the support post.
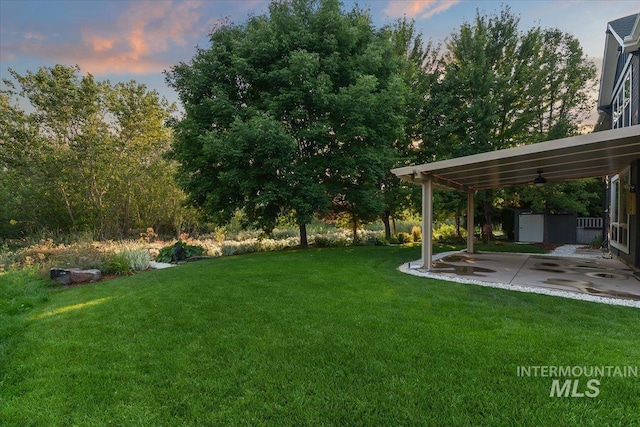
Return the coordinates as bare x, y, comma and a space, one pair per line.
470, 222
427, 220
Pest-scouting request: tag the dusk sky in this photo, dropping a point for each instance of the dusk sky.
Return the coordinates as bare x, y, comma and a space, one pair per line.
124, 40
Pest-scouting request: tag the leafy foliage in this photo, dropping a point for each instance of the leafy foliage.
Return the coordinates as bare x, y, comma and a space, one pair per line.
498, 87
291, 113
166, 253
117, 263
89, 156
403, 237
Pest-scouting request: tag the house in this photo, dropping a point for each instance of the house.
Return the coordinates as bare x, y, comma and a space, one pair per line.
613, 151
618, 105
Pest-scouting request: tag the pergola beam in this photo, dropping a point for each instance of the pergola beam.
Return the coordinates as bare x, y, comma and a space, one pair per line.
567, 159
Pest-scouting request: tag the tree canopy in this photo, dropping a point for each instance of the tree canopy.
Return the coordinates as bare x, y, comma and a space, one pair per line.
293, 112
300, 112
496, 87
87, 156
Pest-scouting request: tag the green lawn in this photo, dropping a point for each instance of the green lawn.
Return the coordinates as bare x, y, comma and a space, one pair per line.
310, 337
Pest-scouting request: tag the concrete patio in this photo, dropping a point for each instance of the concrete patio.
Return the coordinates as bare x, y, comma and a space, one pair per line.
565, 273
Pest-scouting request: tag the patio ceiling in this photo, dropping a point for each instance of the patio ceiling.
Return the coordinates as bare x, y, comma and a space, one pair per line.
584, 156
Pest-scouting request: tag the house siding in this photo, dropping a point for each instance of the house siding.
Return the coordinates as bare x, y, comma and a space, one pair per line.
635, 85
634, 226
633, 257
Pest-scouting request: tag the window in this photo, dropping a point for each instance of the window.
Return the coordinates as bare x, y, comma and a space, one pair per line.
621, 105
619, 212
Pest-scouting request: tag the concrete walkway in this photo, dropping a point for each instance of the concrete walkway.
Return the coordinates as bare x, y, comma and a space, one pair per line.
567, 272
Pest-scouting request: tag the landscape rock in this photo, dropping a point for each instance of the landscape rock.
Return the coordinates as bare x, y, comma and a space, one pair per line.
84, 276
160, 265
60, 275
74, 275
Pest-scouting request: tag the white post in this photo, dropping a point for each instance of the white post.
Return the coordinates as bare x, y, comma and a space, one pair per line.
470, 223
427, 219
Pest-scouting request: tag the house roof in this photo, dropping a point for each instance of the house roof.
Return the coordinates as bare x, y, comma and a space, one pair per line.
623, 34
584, 156
626, 31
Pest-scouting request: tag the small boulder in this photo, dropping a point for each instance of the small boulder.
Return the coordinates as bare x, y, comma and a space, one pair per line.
60, 275
85, 276
74, 275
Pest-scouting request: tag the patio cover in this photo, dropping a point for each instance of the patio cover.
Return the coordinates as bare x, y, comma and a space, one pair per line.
584, 156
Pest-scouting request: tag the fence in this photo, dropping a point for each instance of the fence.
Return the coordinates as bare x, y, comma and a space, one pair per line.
589, 229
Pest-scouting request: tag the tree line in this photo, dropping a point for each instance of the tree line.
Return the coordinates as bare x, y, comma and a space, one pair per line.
295, 114
89, 155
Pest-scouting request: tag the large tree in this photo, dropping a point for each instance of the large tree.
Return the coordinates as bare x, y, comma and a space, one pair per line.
497, 87
91, 154
292, 113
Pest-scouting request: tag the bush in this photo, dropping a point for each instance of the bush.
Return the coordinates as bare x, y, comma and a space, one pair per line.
446, 233
416, 233
139, 259
117, 263
321, 241
246, 247
7, 258
596, 243
166, 253
375, 241
403, 237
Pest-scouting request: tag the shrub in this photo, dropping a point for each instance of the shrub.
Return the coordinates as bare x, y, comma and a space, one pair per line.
375, 241
7, 258
321, 241
117, 263
403, 237
446, 233
416, 233
596, 242
139, 259
166, 253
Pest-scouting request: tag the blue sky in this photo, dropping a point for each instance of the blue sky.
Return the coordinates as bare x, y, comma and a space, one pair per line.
124, 40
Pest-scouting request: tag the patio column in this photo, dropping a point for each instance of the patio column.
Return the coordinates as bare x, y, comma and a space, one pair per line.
470, 223
427, 219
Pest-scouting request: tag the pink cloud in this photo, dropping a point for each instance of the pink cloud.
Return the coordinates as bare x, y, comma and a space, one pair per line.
140, 41
100, 44
418, 9
146, 30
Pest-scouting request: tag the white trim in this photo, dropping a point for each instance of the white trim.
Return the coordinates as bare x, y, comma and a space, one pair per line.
427, 222
632, 41
584, 156
616, 228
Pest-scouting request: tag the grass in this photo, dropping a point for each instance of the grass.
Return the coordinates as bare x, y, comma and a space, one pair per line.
331, 336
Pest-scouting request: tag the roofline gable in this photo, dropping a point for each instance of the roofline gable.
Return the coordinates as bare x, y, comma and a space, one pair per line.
613, 41
631, 42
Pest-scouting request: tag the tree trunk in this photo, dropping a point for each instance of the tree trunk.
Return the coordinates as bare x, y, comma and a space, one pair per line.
126, 224
303, 235
387, 227
67, 204
393, 222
